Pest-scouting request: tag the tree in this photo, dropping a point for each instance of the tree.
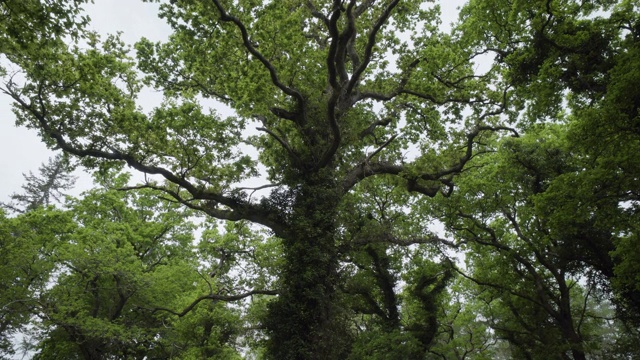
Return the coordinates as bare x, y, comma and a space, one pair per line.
102, 279
25, 242
542, 282
363, 109
464, 332
110, 269
577, 63
45, 189
332, 110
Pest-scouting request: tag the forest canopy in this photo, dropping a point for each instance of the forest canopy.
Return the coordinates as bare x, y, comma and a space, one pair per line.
383, 188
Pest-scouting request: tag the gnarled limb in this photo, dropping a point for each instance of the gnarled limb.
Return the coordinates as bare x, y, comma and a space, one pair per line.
366, 169
238, 209
368, 52
224, 16
214, 297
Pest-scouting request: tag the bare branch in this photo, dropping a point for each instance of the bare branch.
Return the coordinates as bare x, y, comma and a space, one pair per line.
259, 187
386, 143
254, 189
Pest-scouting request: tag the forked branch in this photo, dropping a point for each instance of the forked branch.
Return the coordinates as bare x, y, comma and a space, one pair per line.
224, 16
371, 42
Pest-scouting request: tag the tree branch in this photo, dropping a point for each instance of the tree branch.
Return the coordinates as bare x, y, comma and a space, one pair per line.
347, 36
368, 52
376, 151
497, 286
239, 209
404, 79
367, 169
372, 127
317, 14
224, 16
282, 142
214, 297
210, 208
333, 47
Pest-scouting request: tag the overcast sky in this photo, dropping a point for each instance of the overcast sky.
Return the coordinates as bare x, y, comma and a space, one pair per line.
22, 151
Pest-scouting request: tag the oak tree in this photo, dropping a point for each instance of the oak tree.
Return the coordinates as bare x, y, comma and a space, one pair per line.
346, 117
341, 93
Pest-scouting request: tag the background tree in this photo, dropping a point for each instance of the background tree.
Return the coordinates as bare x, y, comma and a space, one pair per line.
26, 243
540, 280
117, 274
46, 188
576, 62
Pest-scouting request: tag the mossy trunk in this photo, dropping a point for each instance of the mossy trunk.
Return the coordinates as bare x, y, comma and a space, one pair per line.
307, 320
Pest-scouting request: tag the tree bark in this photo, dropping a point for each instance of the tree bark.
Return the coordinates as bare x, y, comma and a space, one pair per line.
306, 321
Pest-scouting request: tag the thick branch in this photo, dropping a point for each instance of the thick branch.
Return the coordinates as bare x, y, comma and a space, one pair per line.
367, 169
347, 36
284, 114
224, 16
336, 66
333, 47
215, 297
335, 131
371, 41
240, 210
210, 208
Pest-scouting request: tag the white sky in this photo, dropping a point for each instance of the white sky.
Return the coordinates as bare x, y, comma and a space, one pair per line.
21, 149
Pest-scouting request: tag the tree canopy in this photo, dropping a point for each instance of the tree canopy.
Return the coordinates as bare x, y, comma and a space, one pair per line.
358, 128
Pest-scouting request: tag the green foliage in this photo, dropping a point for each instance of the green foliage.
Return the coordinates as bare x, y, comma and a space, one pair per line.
374, 126
26, 241
104, 277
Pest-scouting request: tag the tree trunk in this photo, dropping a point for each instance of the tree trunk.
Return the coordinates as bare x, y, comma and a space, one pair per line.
307, 321
574, 339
